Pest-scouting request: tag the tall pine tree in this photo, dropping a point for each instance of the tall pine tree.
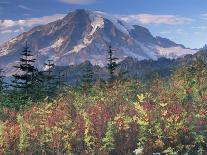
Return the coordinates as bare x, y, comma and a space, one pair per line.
50, 81
112, 63
60, 79
27, 73
1, 80
87, 80
24, 81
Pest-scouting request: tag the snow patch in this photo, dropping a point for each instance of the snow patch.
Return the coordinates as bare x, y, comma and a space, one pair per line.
14, 40
4, 51
148, 50
58, 43
174, 52
96, 22
77, 48
129, 53
121, 25
44, 51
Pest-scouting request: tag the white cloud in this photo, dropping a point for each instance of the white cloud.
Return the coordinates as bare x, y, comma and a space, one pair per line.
6, 31
200, 27
24, 7
77, 1
176, 31
180, 31
197, 33
8, 24
204, 16
15, 27
165, 32
156, 19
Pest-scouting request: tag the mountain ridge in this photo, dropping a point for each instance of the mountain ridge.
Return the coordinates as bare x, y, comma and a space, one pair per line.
85, 35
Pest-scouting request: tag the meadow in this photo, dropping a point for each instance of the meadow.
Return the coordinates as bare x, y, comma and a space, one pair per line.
120, 117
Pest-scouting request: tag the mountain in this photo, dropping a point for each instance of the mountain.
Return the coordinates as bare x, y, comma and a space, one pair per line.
130, 68
85, 35
204, 47
166, 43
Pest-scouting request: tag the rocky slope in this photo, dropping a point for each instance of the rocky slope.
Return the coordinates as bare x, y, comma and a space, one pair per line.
85, 35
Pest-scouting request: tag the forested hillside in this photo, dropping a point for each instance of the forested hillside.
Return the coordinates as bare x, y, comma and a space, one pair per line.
112, 116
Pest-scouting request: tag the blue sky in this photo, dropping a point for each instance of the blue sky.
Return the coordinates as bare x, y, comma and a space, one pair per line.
183, 21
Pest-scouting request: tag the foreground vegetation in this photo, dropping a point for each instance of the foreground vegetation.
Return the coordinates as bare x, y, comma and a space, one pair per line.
120, 116
167, 116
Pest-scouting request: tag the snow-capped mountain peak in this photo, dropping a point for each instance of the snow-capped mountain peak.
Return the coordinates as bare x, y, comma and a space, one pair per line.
85, 35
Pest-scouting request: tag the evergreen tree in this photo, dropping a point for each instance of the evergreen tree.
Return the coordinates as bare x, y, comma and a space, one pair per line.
87, 80
1, 80
26, 78
112, 64
2, 84
24, 82
60, 80
50, 79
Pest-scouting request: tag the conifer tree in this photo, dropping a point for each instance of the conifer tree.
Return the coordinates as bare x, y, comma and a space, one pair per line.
112, 63
24, 81
2, 85
60, 79
50, 79
27, 74
1, 80
87, 80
